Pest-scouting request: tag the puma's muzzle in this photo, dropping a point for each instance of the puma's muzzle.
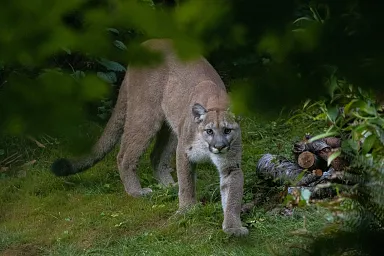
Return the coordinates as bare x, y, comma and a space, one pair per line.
219, 145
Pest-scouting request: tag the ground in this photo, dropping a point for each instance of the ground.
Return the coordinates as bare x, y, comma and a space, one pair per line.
90, 214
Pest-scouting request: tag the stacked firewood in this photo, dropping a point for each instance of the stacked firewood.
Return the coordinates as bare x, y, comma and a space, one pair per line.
314, 155
311, 168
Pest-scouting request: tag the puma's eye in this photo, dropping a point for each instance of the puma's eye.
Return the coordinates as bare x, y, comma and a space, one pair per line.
227, 131
209, 131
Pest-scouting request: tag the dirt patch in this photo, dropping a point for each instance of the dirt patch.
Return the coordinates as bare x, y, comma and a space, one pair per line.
22, 250
87, 241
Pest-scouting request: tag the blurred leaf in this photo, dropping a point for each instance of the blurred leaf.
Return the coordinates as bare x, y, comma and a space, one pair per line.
302, 19
360, 104
198, 16
379, 132
275, 45
323, 135
332, 157
188, 49
68, 51
78, 74
333, 112
93, 88
306, 103
141, 56
112, 65
109, 77
113, 30
368, 143
305, 194
120, 45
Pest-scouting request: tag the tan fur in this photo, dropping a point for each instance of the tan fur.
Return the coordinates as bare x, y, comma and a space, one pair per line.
161, 101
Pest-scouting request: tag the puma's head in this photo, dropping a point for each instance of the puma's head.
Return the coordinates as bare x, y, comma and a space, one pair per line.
217, 127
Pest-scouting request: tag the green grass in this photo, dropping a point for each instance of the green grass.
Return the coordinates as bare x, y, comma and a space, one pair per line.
90, 214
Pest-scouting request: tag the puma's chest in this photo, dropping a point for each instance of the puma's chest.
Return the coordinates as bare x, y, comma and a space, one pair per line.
198, 152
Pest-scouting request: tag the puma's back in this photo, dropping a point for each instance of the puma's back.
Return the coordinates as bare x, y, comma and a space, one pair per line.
176, 85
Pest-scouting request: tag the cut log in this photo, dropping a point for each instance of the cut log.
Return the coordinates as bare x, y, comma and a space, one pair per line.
315, 146
278, 168
333, 142
306, 160
339, 163
307, 179
311, 161
318, 172
299, 147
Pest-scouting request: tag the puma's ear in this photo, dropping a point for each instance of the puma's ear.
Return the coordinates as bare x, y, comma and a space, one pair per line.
198, 112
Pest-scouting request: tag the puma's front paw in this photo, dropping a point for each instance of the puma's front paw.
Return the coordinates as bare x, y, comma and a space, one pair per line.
186, 208
140, 193
182, 211
241, 231
145, 191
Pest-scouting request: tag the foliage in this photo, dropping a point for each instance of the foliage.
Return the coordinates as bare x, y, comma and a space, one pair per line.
356, 117
65, 59
293, 62
273, 57
60, 61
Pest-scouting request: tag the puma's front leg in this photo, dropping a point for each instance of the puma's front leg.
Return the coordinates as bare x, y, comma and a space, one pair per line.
231, 189
186, 179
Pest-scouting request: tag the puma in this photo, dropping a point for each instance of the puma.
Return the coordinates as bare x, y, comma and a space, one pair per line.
185, 105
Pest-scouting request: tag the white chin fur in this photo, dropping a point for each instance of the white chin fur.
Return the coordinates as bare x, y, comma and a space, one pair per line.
215, 151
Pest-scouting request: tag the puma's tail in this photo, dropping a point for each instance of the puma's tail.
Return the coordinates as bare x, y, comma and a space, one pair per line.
107, 141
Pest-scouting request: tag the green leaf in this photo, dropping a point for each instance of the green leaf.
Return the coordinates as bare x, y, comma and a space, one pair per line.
353, 144
103, 116
305, 194
332, 157
332, 114
351, 104
113, 30
68, 51
93, 88
302, 19
323, 135
300, 176
329, 217
306, 103
109, 77
369, 110
78, 74
112, 65
120, 45
379, 132
368, 143
362, 105
321, 116
333, 85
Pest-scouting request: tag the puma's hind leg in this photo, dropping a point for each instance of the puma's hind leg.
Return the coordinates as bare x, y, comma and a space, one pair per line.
162, 153
138, 132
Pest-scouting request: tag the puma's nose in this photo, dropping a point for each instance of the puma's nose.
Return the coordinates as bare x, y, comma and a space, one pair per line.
221, 147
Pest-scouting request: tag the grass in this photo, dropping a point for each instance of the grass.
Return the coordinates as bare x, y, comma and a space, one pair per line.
90, 214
